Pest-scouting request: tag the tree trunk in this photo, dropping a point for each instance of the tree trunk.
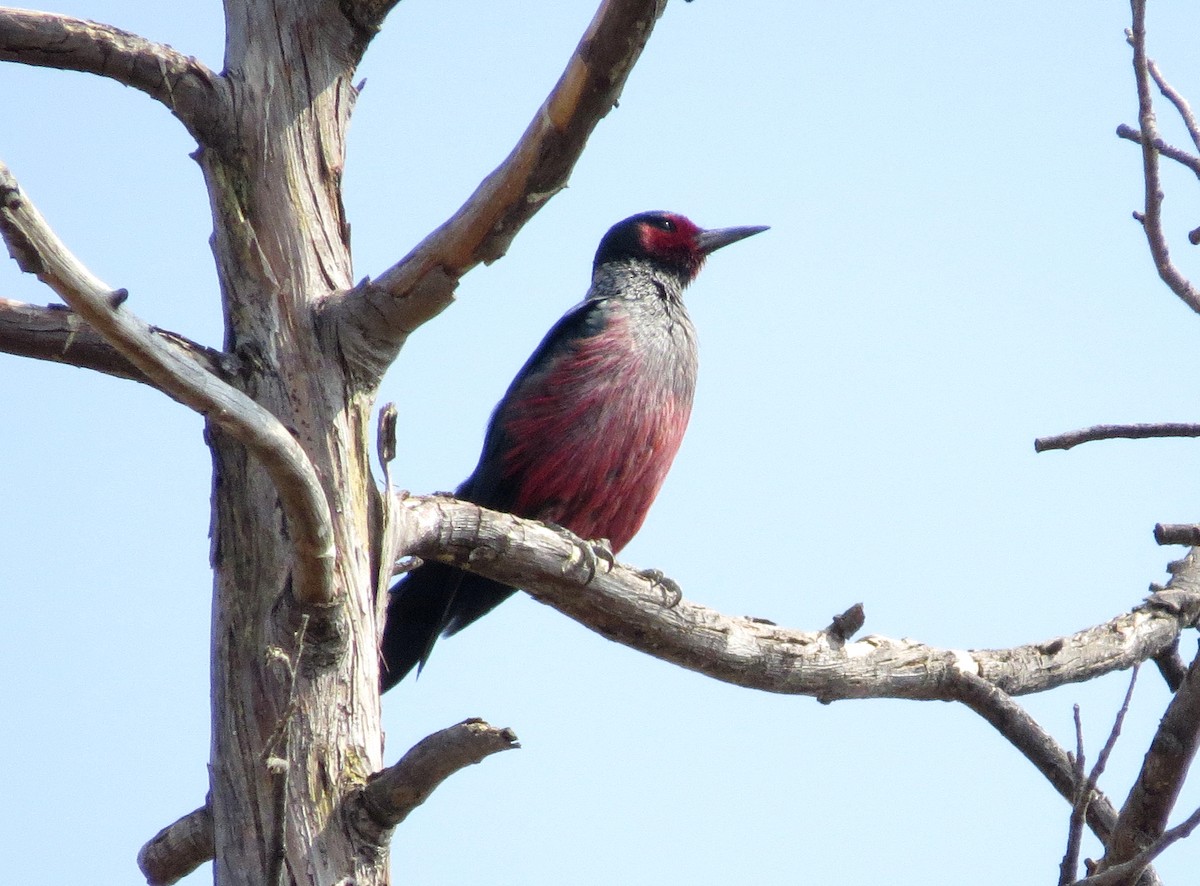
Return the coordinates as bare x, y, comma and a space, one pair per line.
296, 719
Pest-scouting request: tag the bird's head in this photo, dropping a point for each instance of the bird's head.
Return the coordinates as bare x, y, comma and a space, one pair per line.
668, 240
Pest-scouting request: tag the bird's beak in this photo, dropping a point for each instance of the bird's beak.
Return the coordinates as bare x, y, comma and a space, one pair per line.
710, 241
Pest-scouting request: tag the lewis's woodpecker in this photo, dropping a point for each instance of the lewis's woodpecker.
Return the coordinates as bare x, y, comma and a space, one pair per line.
587, 430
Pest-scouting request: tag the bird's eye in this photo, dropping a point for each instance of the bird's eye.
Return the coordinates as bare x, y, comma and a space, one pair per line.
664, 224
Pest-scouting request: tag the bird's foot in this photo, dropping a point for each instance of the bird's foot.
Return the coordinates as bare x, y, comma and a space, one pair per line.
591, 552
672, 593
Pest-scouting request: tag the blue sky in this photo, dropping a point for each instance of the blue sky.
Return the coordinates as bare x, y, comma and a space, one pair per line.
952, 271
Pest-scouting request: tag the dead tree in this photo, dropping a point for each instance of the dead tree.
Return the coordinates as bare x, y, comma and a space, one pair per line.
304, 542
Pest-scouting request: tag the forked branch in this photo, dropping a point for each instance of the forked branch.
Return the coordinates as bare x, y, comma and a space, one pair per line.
1151, 218
173, 370
373, 320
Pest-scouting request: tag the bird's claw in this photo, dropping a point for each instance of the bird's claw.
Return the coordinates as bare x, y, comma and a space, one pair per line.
672, 593
592, 552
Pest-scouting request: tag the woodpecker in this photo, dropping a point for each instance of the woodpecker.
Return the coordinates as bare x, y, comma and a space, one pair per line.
587, 430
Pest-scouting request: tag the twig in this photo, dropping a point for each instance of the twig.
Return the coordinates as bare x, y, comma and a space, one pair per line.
1086, 789
1068, 867
1152, 217
1180, 103
192, 92
173, 370
391, 794
1116, 432
178, 849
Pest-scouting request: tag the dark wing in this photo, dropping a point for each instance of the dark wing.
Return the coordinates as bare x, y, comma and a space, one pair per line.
437, 599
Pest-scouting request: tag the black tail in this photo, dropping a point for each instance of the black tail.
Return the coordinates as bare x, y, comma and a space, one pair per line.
427, 602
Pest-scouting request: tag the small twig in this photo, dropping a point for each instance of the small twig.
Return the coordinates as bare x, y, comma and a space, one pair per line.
178, 849
1069, 866
1085, 789
1177, 533
1116, 432
1152, 216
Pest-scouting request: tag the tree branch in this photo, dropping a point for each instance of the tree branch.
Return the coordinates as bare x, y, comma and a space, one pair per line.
1128, 872
391, 794
172, 370
1180, 103
192, 92
627, 606
372, 321
56, 333
1143, 818
1035, 744
1191, 161
1177, 533
178, 849
1116, 432
1152, 218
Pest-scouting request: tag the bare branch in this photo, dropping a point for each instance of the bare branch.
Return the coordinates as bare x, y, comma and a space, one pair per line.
390, 795
172, 370
1180, 103
56, 333
1143, 818
1191, 161
1171, 666
373, 319
1128, 871
1152, 217
1069, 866
192, 92
178, 849
623, 605
1117, 432
1027, 736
